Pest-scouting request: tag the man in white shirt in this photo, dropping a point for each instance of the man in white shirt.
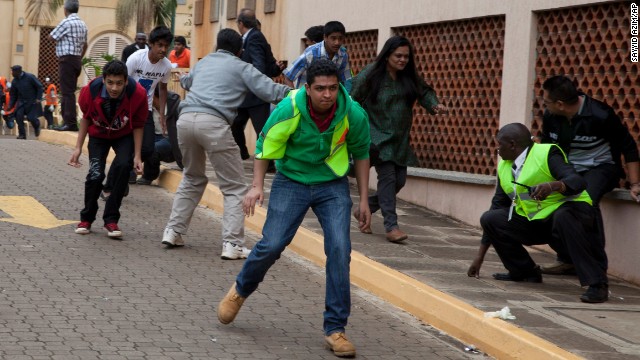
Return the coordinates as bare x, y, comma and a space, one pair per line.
71, 44
150, 68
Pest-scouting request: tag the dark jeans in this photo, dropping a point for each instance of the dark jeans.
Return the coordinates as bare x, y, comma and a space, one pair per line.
70, 67
48, 115
391, 179
258, 114
163, 152
31, 111
119, 170
148, 139
571, 229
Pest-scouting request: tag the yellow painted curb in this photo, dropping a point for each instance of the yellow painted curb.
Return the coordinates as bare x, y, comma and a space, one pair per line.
495, 337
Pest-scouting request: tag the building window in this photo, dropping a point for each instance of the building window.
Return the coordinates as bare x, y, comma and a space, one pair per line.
232, 9
106, 44
214, 11
198, 8
250, 4
269, 6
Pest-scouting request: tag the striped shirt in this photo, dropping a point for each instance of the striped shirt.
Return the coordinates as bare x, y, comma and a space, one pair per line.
70, 36
297, 72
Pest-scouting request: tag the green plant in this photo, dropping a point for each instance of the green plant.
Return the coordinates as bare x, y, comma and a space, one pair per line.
96, 64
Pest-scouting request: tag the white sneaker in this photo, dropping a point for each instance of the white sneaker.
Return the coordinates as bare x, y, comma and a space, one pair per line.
172, 238
233, 252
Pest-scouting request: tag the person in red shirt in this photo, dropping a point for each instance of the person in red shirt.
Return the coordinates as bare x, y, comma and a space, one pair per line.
180, 55
115, 111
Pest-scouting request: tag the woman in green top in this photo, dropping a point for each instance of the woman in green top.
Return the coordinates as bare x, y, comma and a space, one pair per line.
387, 89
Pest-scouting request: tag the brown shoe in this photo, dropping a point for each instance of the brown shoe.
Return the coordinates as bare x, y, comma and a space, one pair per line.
396, 235
558, 268
340, 345
229, 306
356, 214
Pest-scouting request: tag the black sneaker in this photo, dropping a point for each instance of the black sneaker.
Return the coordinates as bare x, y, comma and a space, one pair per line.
534, 277
36, 130
143, 181
21, 137
597, 293
132, 177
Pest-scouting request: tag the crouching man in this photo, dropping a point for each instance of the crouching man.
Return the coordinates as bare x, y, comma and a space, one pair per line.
114, 113
540, 199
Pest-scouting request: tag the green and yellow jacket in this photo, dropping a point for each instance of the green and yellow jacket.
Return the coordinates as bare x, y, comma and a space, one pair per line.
304, 154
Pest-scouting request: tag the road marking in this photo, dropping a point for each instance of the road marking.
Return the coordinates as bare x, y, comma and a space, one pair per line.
26, 210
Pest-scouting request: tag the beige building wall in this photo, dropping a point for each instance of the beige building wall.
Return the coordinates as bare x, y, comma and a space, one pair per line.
99, 15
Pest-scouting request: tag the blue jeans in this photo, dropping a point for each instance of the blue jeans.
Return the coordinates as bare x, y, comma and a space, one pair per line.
288, 204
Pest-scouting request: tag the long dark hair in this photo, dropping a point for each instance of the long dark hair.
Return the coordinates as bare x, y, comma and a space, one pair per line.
408, 77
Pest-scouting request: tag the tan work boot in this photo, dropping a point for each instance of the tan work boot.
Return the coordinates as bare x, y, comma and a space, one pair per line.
340, 345
230, 305
558, 268
396, 235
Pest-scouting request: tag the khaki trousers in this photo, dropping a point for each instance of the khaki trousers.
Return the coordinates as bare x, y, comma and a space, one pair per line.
201, 135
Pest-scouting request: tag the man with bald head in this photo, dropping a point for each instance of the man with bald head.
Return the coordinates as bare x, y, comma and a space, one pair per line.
141, 43
540, 199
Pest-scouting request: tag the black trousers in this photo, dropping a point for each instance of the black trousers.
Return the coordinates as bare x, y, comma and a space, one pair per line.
70, 67
119, 171
572, 229
391, 179
258, 114
600, 180
48, 115
32, 111
148, 147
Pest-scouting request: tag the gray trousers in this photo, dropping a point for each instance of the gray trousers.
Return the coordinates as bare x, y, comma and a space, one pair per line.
201, 135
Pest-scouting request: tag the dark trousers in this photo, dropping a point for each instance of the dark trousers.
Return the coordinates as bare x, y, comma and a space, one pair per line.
148, 139
48, 115
69, 67
391, 179
119, 170
258, 114
600, 180
163, 152
571, 229
31, 111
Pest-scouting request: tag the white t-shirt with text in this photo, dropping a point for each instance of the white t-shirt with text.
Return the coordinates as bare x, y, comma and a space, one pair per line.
148, 74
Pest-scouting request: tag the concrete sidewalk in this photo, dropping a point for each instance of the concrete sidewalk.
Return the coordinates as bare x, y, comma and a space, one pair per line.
65, 296
426, 276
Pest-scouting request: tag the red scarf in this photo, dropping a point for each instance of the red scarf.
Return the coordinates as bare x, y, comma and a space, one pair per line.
322, 124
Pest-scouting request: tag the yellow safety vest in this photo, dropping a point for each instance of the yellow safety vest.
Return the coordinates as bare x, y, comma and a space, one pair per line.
275, 140
535, 170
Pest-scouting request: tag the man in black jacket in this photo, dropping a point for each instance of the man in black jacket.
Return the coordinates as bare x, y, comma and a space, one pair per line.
141, 43
256, 51
26, 96
594, 138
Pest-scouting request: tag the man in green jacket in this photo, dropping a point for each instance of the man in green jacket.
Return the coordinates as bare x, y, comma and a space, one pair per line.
310, 135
